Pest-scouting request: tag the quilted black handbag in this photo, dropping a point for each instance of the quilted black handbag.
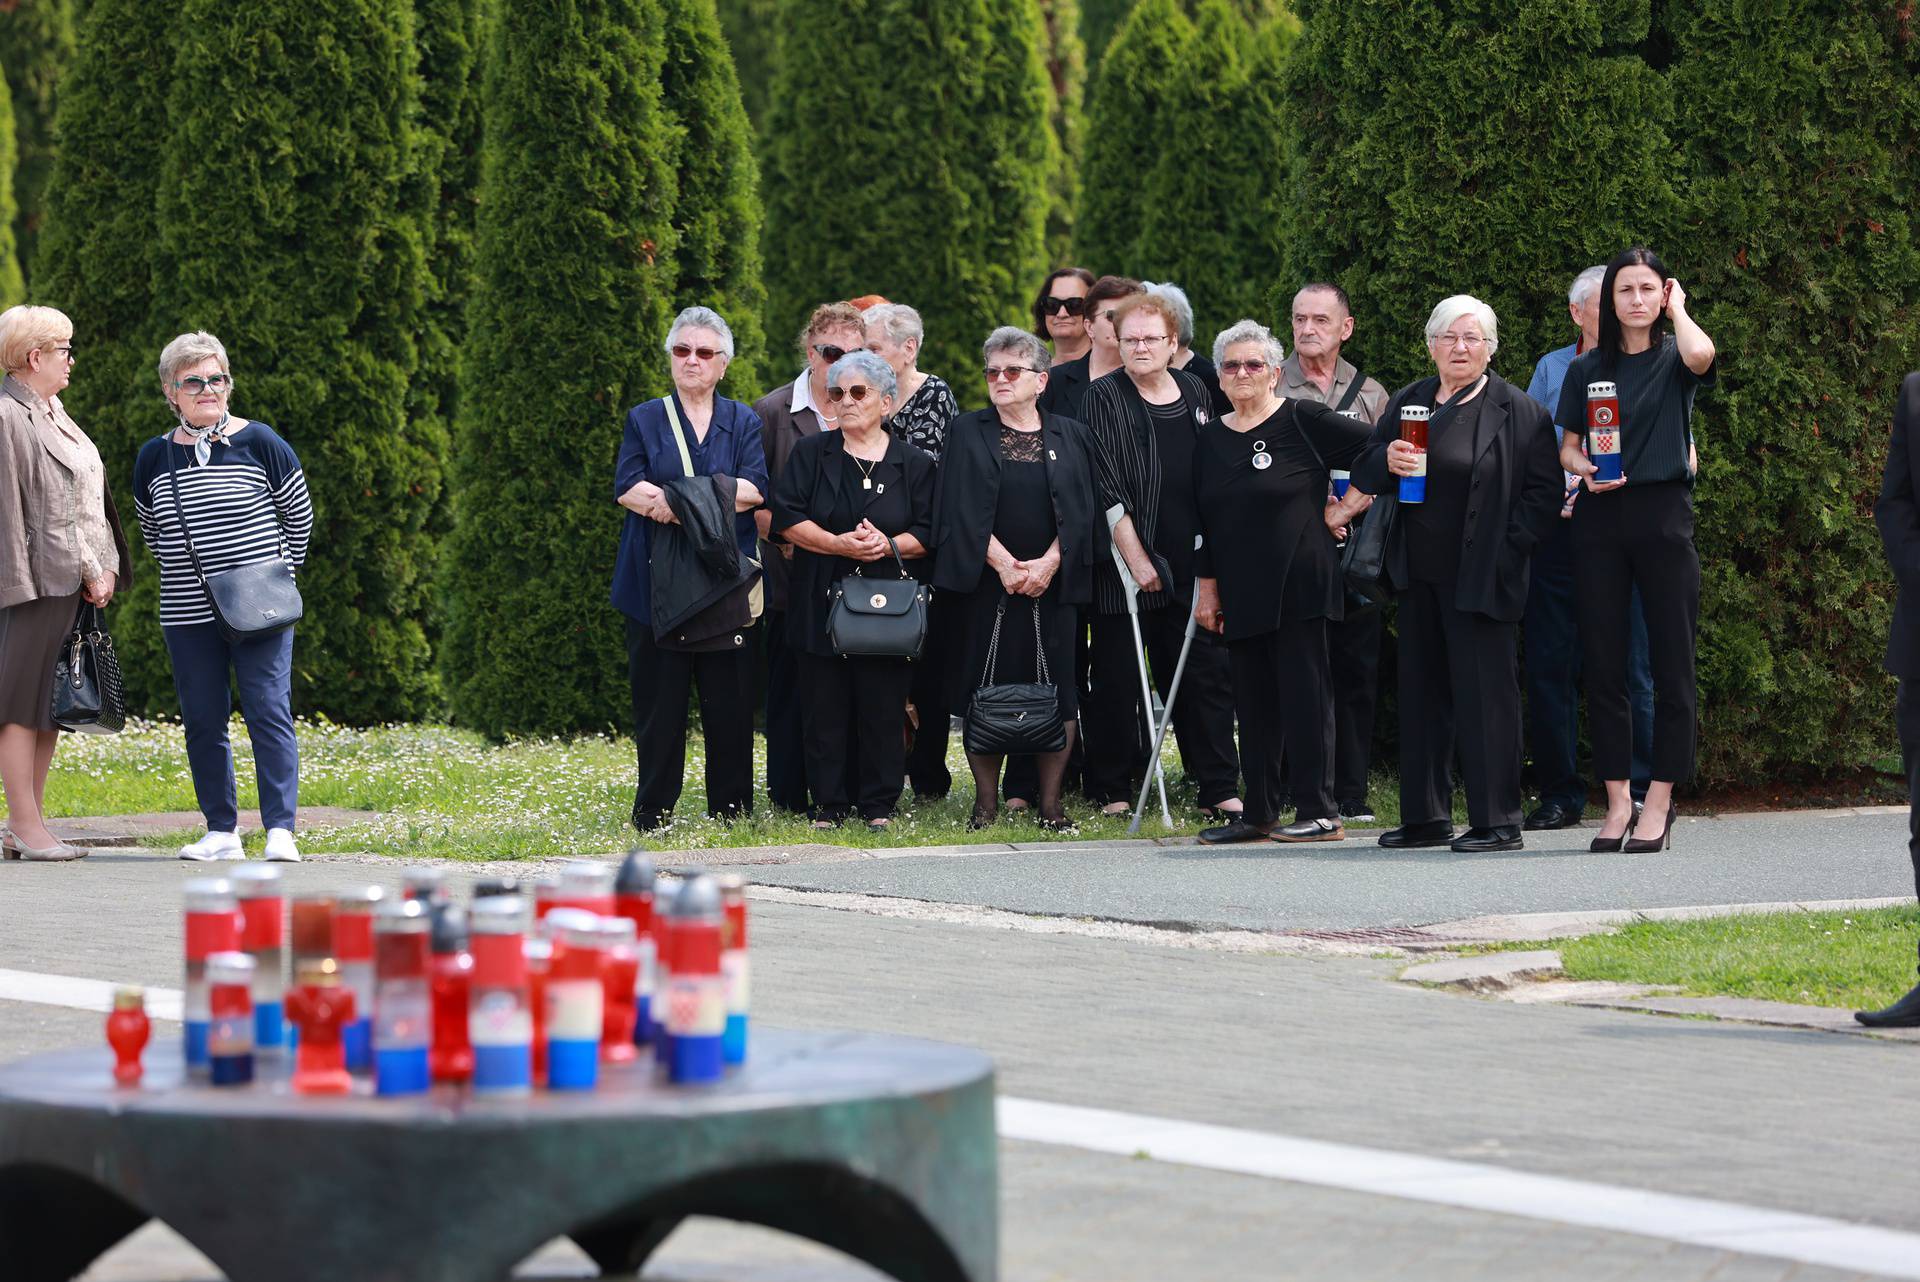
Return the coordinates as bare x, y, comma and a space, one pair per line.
88, 695
249, 601
1018, 717
878, 618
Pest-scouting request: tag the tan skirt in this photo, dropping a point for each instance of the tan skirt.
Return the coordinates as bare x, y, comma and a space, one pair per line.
31, 634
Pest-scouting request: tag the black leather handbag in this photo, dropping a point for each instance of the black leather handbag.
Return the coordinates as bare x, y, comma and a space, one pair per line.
878, 618
249, 601
1363, 562
88, 695
1018, 717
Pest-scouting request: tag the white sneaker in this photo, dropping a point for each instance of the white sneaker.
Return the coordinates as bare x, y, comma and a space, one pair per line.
214, 846
280, 847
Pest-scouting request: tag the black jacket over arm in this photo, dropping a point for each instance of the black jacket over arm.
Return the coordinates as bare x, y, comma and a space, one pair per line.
1514, 496
967, 497
1898, 516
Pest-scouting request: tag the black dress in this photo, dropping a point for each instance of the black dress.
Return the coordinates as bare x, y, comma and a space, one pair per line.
1024, 523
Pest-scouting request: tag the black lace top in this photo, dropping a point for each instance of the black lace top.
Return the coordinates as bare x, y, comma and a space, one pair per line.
923, 419
1017, 446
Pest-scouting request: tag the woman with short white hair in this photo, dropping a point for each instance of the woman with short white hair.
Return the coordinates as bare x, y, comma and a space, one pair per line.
60, 545
924, 404
1459, 561
215, 493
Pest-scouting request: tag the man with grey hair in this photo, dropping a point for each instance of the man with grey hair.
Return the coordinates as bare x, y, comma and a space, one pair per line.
1553, 638
1322, 324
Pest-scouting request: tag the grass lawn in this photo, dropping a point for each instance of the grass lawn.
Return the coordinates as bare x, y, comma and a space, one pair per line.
1862, 960
451, 794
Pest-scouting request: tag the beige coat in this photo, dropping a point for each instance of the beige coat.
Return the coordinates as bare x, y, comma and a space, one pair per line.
41, 553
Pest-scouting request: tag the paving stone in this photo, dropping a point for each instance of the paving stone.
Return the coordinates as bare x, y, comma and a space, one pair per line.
1490, 972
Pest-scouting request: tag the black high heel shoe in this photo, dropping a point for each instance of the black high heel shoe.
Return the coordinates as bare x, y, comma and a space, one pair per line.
1647, 845
1611, 845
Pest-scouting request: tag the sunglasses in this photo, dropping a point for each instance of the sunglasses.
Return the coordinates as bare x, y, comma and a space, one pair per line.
857, 392
829, 353
195, 384
1007, 373
681, 351
1235, 367
1071, 306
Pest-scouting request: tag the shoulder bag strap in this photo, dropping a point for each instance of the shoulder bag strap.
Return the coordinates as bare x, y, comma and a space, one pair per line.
1353, 392
679, 436
180, 511
1039, 644
993, 643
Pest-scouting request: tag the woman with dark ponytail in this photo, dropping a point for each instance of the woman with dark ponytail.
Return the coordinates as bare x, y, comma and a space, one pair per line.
1627, 407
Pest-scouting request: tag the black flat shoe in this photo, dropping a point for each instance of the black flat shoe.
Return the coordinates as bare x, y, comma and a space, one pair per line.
1549, 816
1061, 824
981, 819
1229, 833
1904, 1013
1311, 830
1647, 845
1483, 841
1438, 832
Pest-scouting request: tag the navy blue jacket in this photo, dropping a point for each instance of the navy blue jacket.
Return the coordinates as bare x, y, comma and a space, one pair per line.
648, 453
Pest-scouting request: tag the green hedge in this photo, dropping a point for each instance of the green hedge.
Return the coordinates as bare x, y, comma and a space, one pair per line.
909, 154
12, 287
36, 43
753, 35
569, 304
1130, 120
1066, 60
283, 229
1800, 176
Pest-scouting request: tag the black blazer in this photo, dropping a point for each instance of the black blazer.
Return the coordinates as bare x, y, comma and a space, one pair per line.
1516, 495
1066, 384
968, 496
815, 487
1898, 516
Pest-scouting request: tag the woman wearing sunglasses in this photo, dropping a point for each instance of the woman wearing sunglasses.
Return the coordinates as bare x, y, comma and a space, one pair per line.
60, 542
243, 495
1060, 312
1016, 521
1067, 380
856, 500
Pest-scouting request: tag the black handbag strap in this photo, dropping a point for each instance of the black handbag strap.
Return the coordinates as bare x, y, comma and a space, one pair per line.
180, 511
993, 644
892, 547
1353, 393
87, 621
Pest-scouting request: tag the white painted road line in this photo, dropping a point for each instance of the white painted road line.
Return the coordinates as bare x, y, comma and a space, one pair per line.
1476, 1186
1726, 1226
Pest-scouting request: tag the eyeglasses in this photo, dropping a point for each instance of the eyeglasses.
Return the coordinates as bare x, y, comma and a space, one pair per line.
829, 353
681, 351
1236, 367
1007, 373
212, 383
1144, 342
857, 392
1071, 306
1469, 341
1107, 315
66, 351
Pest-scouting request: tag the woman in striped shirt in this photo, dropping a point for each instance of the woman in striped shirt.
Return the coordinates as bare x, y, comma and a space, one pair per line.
244, 498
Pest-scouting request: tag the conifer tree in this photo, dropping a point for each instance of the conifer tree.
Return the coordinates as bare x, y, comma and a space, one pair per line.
283, 229
716, 213
36, 43
909, 154
12, 287
570, 301
752, 29
1067, 73
1131, 124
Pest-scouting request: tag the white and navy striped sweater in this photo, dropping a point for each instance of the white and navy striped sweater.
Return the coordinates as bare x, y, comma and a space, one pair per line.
248, 504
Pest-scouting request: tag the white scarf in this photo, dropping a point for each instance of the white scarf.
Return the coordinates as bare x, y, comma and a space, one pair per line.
205, 438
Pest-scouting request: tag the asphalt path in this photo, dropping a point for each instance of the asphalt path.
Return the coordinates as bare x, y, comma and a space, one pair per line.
1786, 857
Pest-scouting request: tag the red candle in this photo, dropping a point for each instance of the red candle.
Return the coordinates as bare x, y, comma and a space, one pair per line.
619, 976
127, 1033
452, 1055
320, 1008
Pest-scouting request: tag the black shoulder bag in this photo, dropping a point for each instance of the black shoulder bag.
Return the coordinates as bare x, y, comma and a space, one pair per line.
878, 618
87, 692
249, 601
1018, 717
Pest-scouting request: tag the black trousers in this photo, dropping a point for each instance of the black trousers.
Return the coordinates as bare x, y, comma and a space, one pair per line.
1116, 723
661, 681
1639, 536
1458, 684
1906, 719
1353, 646
786, 751
1283, 693
932, 678
854, 716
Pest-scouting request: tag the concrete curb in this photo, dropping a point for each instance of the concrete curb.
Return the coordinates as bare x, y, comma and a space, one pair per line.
1526, 927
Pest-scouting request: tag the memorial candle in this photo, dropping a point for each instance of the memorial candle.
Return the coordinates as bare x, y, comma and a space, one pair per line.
353, 949
212, 926
733, 967
696, 992
633, 899
452, 1057
576, 998
263, 936
619, 977
127, 1032
230, 1031
402, 1009
500, 1010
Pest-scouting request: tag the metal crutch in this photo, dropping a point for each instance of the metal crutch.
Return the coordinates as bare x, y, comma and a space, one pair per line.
1160, 736
1155, 772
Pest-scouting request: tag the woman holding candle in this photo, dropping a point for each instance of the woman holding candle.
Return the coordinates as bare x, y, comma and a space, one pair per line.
1636, 532
1459, 560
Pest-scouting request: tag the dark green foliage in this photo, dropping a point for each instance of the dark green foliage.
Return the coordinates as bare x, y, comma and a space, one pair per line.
283, 229
909, 154
1801, 251
716, 214
36, 43
753, 34
1199, 206
1099, 20
570, 302
12, 288
96, 263
1067, 74
1492, 152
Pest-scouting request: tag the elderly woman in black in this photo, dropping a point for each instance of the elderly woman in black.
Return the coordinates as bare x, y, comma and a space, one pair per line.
1017, 527
853, 501
1460, 560
1145, 421
1269, 581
